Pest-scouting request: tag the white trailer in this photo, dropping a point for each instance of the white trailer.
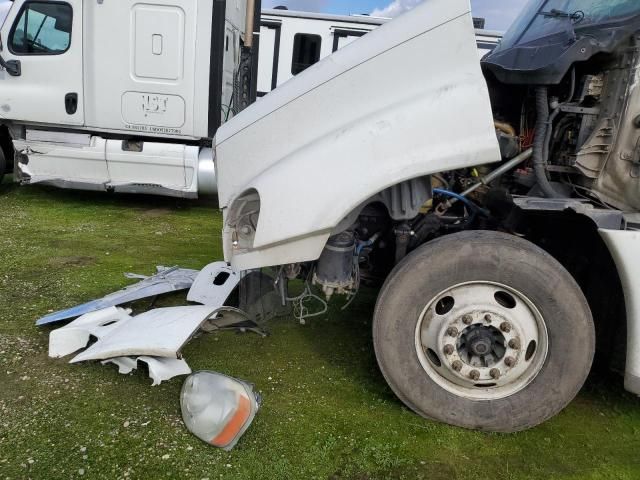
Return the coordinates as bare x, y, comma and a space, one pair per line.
122, 96
291, 41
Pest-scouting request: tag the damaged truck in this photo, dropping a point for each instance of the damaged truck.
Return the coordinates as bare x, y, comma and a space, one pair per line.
495, 202
123, 96
126, 96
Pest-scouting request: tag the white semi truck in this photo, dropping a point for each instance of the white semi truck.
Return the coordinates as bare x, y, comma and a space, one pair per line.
496, 202
126, 96
122, 95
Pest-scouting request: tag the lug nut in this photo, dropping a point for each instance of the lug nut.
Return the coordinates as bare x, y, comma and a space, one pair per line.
495, 373
467, 319
449, 349
452, 331
514, 343
505, 327
474, 375
457, 365
487, 318
509, 361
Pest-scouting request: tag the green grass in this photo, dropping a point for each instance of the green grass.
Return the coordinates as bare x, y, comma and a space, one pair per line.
327, 412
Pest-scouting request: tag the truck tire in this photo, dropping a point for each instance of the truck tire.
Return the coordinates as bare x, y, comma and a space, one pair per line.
483, 330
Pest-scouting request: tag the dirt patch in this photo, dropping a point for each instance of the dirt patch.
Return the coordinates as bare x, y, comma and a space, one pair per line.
74, 261
157, 212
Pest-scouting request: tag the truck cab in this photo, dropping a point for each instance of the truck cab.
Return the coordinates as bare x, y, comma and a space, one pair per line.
124, 95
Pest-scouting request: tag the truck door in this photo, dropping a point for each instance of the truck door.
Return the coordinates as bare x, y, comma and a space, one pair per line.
42, 41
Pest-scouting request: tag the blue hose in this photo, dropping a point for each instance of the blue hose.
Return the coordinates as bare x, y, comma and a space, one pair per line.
472, 206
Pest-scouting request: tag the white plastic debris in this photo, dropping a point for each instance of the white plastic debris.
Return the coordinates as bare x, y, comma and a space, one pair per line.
214, 284
76, 335
160, 369
157, 333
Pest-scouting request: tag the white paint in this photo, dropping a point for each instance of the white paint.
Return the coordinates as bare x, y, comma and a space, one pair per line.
130, 88
75, 336
158, 164
69, 161
160, 369
157, 333
80, 160
625, 249
214, 284
164, 369
125, 365
364, 119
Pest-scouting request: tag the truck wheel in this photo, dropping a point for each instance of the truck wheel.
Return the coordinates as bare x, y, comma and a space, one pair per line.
483, 330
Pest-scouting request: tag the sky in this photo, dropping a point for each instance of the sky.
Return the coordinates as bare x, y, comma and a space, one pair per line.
499, 13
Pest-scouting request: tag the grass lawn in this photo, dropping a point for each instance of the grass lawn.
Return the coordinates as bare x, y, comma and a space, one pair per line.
327, 412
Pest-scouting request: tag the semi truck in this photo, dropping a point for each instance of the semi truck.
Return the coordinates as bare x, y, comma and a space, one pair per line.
122, 95
495, 203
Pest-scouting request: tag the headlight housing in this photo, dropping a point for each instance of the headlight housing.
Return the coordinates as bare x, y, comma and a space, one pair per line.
242, 220
218, 409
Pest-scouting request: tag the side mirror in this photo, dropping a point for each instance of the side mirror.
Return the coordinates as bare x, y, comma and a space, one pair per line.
13, 67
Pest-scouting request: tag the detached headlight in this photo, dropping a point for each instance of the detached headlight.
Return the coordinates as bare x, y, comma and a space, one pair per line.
218, 409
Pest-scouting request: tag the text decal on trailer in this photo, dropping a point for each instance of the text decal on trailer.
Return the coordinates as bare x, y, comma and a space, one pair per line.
146, 128
166, 112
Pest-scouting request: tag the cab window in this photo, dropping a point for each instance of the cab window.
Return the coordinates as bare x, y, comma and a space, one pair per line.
42, 28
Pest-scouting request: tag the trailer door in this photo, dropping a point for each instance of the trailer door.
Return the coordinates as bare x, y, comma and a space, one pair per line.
42, 41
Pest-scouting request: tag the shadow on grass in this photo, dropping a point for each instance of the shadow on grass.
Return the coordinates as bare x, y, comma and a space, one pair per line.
44, 193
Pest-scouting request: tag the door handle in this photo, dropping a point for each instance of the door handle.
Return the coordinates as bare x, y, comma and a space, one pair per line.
13, 67
71, 103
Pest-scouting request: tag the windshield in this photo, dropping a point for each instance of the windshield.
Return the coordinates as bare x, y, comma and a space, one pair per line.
542, 18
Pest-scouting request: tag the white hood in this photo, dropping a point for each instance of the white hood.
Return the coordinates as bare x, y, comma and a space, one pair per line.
407, 100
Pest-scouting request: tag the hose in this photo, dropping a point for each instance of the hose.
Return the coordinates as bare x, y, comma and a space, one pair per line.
475, 209
540, 142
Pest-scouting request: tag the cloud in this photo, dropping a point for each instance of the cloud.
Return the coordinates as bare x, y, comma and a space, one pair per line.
304, 5
498, 13
395, 8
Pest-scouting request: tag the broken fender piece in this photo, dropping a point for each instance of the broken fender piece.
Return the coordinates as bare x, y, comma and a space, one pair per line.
214, 284
157, 333
167, 280
75, 336
160, 369
218, 409
125, 365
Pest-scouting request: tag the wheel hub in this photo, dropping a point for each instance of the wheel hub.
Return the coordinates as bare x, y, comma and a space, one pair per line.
476, 340
484, 342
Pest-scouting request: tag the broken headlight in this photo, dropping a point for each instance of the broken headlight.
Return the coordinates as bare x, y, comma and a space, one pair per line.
218, 409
